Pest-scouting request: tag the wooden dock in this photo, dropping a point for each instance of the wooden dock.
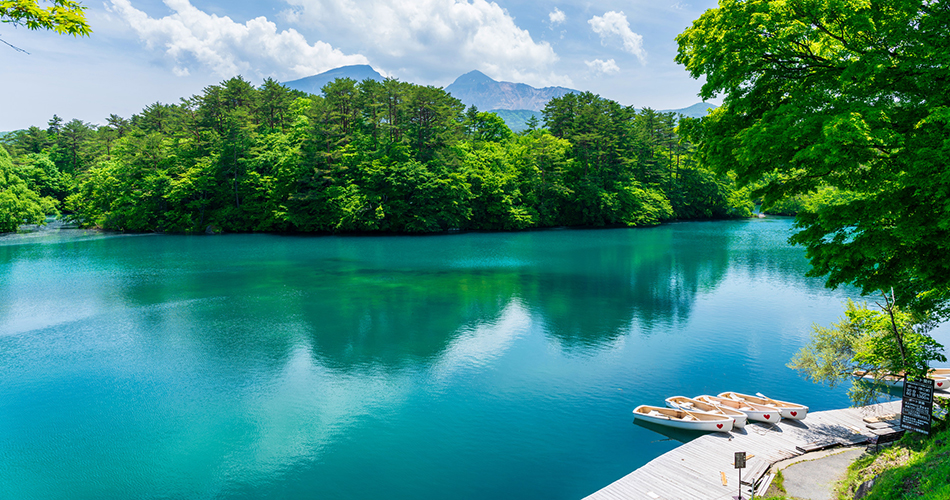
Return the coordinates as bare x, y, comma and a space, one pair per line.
695, 470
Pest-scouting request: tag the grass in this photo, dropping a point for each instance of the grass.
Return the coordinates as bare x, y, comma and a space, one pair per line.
916, 467
776, 489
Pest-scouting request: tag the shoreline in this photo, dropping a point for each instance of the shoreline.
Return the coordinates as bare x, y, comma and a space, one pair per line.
703, 468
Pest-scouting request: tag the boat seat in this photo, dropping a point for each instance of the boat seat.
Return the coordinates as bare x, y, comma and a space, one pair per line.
654, 413
689, 417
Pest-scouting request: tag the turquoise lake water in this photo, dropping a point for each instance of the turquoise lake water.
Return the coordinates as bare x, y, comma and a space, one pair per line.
467, 366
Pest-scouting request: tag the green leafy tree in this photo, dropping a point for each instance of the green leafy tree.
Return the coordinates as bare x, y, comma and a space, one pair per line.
881, 342
55, 124
607, 178
368, 156
18, 203
31, 140
849, 94
434, 121
497, 202
487, 127
532, 123
542, 162
72, 147
63, 16
273, 106
42, 176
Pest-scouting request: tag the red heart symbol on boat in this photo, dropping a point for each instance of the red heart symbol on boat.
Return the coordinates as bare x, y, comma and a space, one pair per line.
719, 425
939, 384
794, 413
768, 417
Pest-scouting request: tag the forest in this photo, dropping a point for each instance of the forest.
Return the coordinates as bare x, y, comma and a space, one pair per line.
364, 156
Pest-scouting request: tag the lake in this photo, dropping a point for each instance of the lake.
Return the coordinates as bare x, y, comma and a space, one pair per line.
459, 366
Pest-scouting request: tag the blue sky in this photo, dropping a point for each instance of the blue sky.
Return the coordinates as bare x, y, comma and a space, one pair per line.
143, 51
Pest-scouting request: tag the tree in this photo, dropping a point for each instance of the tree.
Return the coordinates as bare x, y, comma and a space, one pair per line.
608, 180
64, 16
863, 342
274, 105
18, 203
487, 126
850, 94
71, 141
532, 123
55, 125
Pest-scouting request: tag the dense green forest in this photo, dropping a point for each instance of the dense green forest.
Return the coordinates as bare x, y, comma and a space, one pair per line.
364, 156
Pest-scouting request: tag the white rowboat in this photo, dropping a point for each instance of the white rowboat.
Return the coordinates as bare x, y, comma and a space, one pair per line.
793, 411
682, 419
888, 380
940, 376
691, 404
755, 412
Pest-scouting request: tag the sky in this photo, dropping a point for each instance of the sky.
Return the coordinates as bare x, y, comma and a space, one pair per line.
146, 51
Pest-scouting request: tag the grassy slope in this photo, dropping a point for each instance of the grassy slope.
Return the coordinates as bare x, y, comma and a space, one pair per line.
917, 467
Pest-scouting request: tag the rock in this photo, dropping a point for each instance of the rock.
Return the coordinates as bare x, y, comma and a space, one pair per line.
212, 229
864, 488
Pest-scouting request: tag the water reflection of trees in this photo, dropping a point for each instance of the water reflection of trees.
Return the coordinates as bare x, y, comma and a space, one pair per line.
370, 302
761, 249
650, 278
396, 318
586, 293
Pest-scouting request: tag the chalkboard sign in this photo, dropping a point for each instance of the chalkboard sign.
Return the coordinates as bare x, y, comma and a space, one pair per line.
917, 405
740, 460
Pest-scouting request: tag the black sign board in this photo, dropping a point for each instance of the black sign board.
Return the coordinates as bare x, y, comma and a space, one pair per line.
740, 460
917, 405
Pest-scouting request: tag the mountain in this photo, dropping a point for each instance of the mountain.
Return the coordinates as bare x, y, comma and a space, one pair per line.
475, 88
313, 84
698, 110
513, 102
517, 119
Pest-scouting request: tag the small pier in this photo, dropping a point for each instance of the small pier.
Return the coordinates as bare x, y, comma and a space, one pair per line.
698, 469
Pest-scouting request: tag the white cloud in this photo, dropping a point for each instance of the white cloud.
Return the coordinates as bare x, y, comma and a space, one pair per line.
557, 17
603, 67
615, 24
448, 37
229, 48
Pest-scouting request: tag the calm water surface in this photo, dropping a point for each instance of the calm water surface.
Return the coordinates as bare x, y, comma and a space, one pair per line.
461, 366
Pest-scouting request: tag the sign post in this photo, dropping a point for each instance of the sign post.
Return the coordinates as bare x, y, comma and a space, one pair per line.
917, 405
740, 464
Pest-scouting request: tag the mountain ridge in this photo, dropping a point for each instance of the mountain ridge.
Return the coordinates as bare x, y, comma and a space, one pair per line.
513, 102
314, 84
478, 89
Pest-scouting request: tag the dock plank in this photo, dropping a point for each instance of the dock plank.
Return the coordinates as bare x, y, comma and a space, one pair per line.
692, 471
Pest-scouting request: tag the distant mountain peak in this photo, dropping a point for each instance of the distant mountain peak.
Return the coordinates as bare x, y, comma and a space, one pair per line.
698, 110
314, 84
474, 76
477, 89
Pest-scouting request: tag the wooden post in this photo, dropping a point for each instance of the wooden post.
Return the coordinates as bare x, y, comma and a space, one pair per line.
740, 464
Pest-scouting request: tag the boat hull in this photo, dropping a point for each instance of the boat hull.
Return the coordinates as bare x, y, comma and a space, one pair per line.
736, 415
791, 411
885, 380
720, 424
768, 415
941, 383
941, 378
